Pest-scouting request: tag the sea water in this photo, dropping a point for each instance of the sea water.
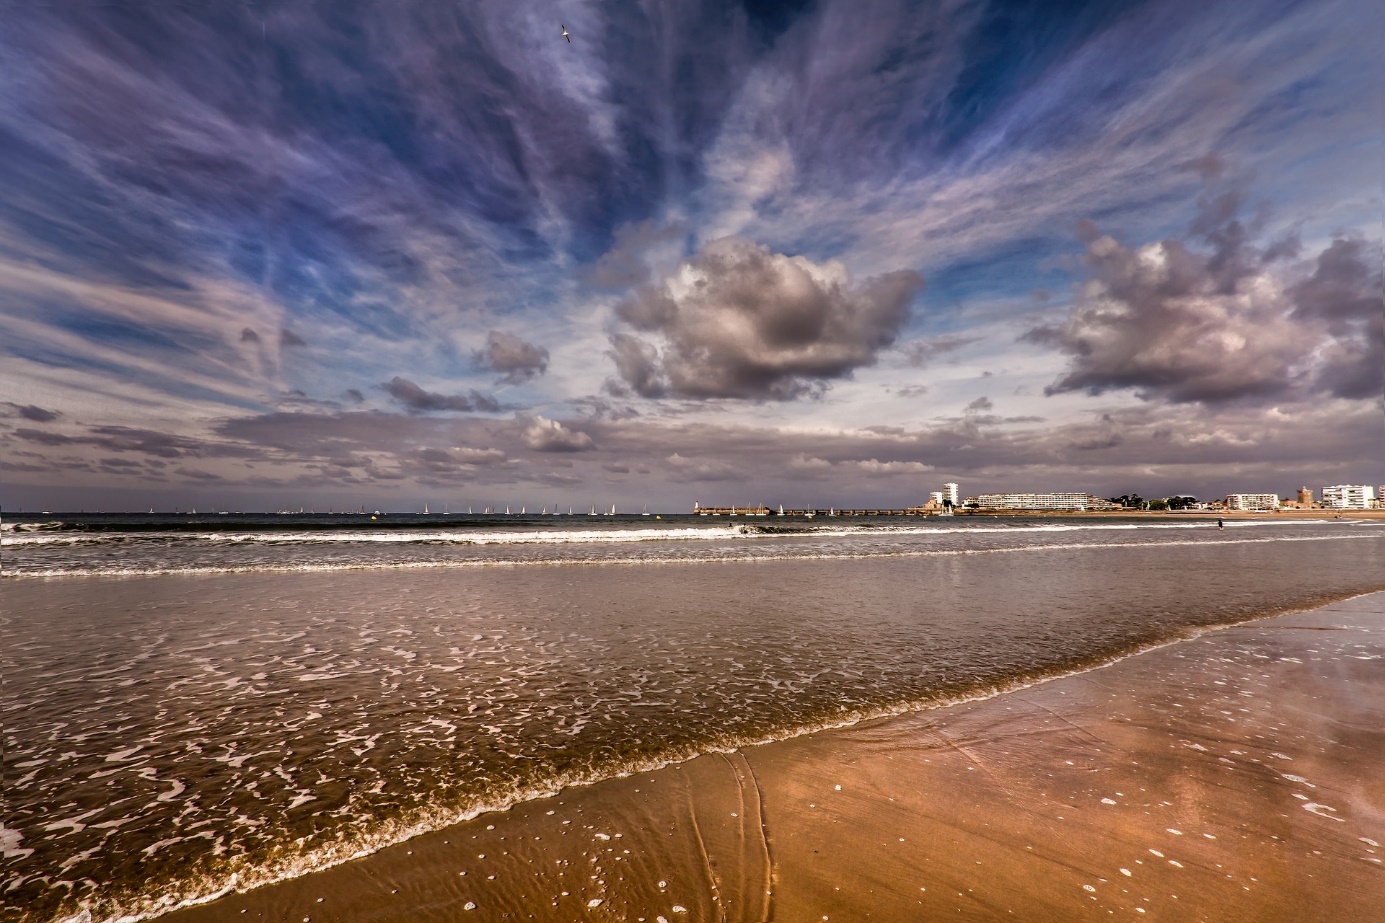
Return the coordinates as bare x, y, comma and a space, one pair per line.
192, 704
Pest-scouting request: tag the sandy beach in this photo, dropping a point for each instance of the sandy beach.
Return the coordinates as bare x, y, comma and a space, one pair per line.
1233, 776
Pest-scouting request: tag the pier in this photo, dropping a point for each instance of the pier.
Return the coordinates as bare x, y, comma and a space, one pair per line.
809, 513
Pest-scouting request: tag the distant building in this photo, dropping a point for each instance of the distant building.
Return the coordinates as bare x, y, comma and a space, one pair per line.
1305, 498
950, 493
1074, 502
1348, 497
936, 498
1256, 502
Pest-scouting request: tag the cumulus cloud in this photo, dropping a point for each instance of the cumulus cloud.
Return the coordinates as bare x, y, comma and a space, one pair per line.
515, 360
248, 335
545, 435
286, 338
1217, 323
740, 321
417, 400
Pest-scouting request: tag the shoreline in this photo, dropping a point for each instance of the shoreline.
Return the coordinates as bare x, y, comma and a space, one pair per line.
675, 820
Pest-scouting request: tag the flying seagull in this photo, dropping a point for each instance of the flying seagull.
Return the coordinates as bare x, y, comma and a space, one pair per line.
565, 34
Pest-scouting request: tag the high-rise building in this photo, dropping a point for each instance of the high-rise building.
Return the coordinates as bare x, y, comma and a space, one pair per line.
950, 493
1253, 501
1045, 501
936, 498
1348, 496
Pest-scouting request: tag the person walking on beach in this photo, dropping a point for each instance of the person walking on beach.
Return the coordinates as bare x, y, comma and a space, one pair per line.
1221, 524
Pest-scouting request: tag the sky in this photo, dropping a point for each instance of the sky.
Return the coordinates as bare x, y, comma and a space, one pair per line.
264, 255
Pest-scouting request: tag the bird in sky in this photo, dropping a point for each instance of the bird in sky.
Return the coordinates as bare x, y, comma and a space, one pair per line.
565, 34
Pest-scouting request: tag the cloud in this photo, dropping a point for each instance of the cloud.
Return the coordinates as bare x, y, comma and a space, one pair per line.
739, 321
545, 435
1344, 295
812, 466
1214, 324
626, 265
516, 360
980, 405
249, 336
286, 338
691, 469
921, 353
32, 413
418, 400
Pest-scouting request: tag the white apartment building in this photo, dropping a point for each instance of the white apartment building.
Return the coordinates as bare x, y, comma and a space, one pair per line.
1045, 501
936, 498
1252, 502
950, 493
1348, 497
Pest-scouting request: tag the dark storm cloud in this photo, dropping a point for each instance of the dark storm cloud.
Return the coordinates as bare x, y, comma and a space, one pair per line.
740, 321
249, 336
1213, 323
418, 400
32, 413
1345, 297
288, 338
512, 357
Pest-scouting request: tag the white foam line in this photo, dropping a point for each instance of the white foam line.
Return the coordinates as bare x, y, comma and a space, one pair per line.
630, 561
309, 865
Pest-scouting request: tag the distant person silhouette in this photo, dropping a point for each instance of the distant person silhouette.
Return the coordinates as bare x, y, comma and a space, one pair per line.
1220, 524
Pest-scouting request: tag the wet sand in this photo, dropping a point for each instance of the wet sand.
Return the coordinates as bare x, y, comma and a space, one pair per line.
1235, 776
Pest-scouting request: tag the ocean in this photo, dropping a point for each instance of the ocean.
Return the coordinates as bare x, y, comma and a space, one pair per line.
198, 703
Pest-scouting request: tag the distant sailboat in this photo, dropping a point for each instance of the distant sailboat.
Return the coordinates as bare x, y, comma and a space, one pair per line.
613, 509
593, 512
645, 511
425, 510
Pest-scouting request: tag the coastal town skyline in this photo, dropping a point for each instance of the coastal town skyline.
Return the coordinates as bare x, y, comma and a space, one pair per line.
285, 255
